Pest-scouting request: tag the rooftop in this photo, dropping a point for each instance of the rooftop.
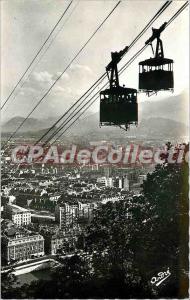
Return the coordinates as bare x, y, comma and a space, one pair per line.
16, 208
156, 61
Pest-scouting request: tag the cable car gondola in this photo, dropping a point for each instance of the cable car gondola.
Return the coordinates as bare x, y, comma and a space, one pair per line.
118, 105
156, 74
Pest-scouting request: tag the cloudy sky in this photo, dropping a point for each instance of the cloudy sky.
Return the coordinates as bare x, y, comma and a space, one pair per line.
27, 23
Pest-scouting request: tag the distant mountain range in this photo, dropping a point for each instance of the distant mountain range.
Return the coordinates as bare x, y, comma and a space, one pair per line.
164, 118
175, 108
147, 128
31, 124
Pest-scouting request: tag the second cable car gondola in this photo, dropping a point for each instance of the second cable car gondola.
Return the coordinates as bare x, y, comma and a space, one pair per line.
156, 74
118, 105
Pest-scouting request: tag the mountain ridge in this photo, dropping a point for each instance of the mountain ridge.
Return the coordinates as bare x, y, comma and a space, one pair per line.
166, 117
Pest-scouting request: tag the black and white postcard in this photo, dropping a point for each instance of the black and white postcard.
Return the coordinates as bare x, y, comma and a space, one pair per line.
94, 149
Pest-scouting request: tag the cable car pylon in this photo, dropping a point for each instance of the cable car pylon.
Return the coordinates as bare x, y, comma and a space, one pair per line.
156, 74
118, 105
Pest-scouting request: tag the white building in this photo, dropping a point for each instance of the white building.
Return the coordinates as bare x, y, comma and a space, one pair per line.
66, 214
109, 182
126, 184
122, 183
105, 181
112, 199
19, 215
22, 247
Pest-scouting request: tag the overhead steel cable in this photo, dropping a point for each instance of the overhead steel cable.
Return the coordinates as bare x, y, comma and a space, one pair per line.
94, 86
35, 57
120, 72
77, 54
104, 75
160, 11
178, 13
96, 94
63, 124
43, 53
167, 24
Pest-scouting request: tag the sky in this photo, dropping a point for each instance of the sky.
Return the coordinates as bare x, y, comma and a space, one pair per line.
25, 24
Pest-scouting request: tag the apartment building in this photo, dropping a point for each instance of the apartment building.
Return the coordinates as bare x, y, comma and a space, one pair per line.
19, 215
22, 247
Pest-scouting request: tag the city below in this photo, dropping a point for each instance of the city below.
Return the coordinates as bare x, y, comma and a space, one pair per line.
46, 208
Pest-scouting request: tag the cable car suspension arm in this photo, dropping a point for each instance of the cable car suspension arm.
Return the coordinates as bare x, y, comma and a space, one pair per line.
111, 69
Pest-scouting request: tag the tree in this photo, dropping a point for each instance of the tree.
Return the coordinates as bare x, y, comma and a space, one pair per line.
154, 239
67, 280
9, 285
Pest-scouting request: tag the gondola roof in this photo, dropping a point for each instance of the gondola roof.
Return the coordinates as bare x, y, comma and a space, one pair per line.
118, 90
156, 61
